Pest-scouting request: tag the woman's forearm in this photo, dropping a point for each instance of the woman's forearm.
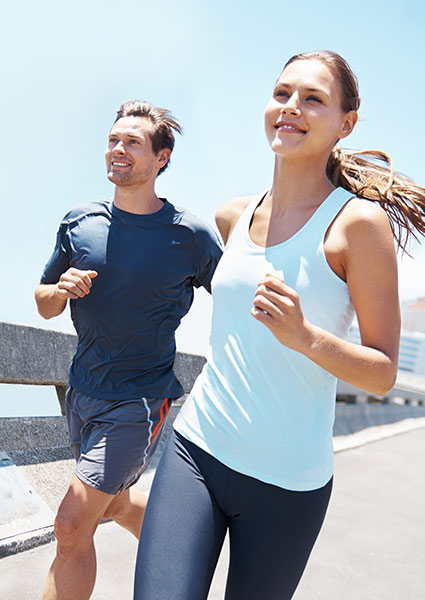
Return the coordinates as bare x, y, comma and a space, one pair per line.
369, 369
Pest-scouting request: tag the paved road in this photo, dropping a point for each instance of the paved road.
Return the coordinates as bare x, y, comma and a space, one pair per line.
372, 546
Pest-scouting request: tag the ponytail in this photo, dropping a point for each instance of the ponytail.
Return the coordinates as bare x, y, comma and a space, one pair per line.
399, 196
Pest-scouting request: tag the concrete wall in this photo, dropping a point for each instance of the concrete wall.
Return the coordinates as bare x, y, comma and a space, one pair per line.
36, 463
34, 356
30, 355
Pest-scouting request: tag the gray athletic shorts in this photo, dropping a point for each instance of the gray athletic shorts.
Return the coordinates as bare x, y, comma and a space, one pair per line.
113, 441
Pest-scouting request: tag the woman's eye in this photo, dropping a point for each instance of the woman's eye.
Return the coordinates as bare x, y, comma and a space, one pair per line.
281, 94
314, 99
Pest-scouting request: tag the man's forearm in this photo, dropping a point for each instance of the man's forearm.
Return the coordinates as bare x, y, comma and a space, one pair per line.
49, 304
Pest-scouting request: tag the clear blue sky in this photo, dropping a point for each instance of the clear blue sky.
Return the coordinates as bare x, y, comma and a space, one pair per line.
67, 67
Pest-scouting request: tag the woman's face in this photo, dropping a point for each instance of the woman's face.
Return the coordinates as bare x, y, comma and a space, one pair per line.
304, 117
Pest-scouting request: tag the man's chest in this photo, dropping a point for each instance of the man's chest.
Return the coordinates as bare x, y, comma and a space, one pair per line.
156, 256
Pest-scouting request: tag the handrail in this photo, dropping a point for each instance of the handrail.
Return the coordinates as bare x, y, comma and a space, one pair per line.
36, 356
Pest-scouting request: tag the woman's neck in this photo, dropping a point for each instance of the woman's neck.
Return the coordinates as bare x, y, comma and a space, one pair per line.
299, 183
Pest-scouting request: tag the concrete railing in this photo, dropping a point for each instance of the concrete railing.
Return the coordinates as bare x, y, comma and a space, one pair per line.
34, 356
36, 462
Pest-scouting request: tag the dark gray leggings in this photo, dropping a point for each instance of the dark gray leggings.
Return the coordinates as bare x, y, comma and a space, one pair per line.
193, 501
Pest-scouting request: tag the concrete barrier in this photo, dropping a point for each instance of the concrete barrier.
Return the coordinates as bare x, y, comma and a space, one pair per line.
36, 462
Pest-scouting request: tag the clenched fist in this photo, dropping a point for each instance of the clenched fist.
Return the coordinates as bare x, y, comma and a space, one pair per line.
278, 307
74, 284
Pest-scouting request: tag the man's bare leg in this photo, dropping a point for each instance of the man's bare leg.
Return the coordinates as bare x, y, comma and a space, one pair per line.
127, 509
73, 571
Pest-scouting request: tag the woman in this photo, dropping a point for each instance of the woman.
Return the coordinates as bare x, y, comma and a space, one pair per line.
252, 447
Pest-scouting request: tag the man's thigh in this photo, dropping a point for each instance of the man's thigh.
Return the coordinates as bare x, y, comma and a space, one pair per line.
113, 442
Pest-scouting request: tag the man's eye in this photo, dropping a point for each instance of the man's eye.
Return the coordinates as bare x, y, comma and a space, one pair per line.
133, 142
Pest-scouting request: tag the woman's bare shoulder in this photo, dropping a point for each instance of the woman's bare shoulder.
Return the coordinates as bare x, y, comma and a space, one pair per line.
228, 215
364, 222
234, 207
363, 213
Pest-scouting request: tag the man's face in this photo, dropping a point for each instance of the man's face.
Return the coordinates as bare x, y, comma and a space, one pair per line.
130, 160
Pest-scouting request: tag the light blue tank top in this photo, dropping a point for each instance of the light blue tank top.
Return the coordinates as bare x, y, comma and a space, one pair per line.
258, 407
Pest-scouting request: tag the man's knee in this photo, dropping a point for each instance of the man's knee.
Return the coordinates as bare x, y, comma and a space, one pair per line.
72, 531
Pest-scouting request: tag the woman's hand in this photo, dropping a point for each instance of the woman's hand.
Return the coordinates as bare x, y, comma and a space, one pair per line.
278, 307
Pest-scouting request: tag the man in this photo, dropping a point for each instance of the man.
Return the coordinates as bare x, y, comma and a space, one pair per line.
128, 267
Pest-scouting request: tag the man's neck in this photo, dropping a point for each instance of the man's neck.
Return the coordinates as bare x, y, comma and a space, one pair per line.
141, 201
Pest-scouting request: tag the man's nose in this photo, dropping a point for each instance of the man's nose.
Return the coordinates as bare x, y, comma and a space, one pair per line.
119, 147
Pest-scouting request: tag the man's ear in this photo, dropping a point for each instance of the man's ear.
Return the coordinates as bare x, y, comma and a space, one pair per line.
350, 120
163, 156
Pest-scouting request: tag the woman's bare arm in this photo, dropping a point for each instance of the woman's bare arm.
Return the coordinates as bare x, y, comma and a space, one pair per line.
369, 262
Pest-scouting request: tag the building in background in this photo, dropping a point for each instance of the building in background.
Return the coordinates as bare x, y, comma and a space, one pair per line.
413, 315
412, 349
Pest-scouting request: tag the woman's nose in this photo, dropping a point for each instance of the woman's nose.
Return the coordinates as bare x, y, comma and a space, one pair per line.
292, 106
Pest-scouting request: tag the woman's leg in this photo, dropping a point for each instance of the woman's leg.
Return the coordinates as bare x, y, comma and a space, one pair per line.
271, 537
183, 531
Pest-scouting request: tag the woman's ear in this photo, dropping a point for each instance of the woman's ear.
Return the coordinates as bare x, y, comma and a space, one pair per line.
350, 120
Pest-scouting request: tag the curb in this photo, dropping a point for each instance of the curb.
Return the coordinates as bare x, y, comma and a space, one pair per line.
26, 541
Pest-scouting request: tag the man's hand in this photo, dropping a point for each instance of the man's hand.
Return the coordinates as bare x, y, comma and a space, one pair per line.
52, 298
278, 307
74, 284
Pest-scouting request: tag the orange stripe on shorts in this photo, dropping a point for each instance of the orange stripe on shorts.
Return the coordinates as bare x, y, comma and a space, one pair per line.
163, 411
